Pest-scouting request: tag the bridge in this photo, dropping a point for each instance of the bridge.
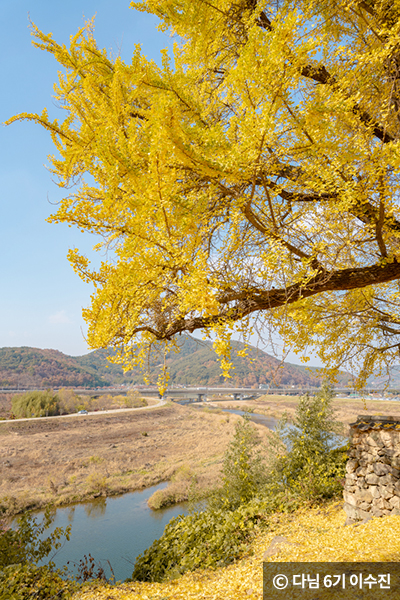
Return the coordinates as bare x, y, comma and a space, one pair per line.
203, 394
199, 394
195, 394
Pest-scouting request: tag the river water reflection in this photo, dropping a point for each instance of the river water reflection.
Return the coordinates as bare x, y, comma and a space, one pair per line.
115, 529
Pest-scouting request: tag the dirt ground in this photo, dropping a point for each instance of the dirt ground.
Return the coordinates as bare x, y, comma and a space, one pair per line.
61, 461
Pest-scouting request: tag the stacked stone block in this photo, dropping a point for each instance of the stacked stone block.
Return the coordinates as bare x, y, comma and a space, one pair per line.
372, 484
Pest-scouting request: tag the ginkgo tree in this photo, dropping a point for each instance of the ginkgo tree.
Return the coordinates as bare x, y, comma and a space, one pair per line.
252, 181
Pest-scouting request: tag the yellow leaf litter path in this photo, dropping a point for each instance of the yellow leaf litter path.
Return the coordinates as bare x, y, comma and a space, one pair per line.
316, 535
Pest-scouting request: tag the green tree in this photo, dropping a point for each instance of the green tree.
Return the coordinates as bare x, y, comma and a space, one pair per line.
21, 549
258, 178
243, 472
308, 456
35, 404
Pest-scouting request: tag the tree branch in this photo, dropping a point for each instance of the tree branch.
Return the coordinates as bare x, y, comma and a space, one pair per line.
367, 212
253, 219
341, 280
379, 224
262, 20
367, 7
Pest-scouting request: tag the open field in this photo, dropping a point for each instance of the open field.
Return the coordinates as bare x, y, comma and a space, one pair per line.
61, 461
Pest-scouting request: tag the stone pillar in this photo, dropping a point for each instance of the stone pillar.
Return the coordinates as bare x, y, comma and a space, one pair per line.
372, 484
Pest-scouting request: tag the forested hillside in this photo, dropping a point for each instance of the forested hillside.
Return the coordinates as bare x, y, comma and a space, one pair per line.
34, 367
195, 364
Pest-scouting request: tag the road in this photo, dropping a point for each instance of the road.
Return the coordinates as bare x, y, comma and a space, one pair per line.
97, 412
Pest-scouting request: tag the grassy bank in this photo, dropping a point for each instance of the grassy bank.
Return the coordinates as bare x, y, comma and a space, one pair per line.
313, 535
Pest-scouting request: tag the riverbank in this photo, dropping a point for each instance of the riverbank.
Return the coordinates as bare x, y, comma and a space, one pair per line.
64, 461
313, 535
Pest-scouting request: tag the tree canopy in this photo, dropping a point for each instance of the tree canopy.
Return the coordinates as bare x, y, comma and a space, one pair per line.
250, 181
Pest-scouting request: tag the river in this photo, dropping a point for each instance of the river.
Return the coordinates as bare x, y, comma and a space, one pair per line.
111, 529
269, 422
119, 529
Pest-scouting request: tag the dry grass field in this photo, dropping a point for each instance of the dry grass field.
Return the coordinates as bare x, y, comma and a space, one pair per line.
61, 461
65, 460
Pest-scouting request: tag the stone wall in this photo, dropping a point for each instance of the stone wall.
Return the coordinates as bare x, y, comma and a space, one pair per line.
372, 484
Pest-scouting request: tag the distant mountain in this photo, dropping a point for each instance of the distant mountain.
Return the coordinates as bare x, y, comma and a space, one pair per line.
33, 367
393, 380
198, 364
195, 364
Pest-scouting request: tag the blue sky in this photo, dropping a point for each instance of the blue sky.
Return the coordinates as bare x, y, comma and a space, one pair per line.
41, 297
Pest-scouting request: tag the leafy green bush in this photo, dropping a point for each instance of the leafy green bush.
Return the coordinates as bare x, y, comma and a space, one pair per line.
35, 404
207, 539
305, 463
20, 551
23, 544
28, 581
243, 472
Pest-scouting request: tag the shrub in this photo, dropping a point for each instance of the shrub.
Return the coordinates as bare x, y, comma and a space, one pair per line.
89, 570
134, 400
23, 544
243, 472
207, 539
35, 404
97, 483
28, 581
20, 551
306, 464
68, 401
